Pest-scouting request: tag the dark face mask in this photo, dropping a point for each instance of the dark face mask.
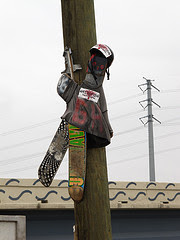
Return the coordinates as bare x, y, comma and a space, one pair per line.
97, 66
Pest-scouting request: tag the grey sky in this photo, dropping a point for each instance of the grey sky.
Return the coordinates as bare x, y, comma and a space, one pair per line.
145, 37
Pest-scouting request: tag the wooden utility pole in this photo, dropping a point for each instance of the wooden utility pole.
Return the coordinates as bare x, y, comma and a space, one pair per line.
92, 214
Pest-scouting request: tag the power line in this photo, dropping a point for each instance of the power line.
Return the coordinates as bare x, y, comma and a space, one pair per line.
128, 131
58, 119
142, 141
126, 115
21, 158
165, 123
24, 143
19, 169
25, 157
116, 162
168, 107
55, 120
124, 99
139, 94
110, 103
141, 111
144, 155
29, 127
23, 169
167, 135
172, 119
127, 145
170, 91
50, 136
140, 128
116, 134
171, 124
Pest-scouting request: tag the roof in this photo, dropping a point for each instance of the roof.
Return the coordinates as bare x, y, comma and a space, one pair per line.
30, 194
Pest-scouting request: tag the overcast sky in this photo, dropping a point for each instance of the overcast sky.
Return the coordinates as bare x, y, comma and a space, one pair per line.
145, 37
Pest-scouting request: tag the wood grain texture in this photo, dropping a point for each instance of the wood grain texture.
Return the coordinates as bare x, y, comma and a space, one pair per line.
79, 31
92, 214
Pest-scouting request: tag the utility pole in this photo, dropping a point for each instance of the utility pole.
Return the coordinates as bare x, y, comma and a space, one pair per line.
150, 118
92, 214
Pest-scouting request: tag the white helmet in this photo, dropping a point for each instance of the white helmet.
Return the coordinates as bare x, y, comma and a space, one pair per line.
105, 50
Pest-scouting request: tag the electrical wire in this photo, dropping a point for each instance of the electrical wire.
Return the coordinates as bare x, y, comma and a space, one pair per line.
142, 111
171, 124
23, 158
20, 159
142, 141
116, 162
24, 143
168, 108
26, 157
172, 119
23, 169
127, 115
50, 136
140, 94
144, 155
170, 91
112, 163
128, 131
165, 123
55, 120
110, 103
27, 167
29, 127
125, 99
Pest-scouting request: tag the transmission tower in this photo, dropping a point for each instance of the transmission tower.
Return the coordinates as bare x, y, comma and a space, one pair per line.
150, 118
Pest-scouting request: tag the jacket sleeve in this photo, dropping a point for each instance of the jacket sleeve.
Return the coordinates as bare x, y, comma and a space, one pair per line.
103, 106
105, 115
66, 87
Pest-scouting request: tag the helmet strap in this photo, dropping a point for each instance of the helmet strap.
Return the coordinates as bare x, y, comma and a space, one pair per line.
108, 73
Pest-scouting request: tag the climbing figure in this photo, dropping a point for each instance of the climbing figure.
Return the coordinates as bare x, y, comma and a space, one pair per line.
85, 121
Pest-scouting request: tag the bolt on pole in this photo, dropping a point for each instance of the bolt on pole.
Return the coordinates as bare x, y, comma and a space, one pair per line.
150, 118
